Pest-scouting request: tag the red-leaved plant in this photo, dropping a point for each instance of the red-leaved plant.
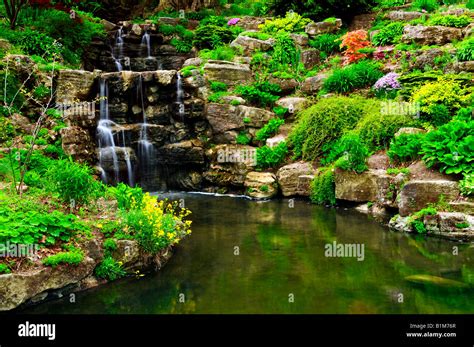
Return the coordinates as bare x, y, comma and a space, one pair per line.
353, 41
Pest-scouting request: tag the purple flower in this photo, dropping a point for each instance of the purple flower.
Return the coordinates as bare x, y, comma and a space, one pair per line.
388, 82
233, 21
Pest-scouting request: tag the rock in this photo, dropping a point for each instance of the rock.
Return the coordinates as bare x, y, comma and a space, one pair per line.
275, 140
74, 85
127, 252
300, 39
403, 15
450, 222
233, 99
250, 23
370, 185
250, 44
108, 26
230, 73
287, 85
463, 66
378, 161
21, 122
400, 223
261, 185
467, 31
416, 195
466, 207
294, 179
78, 143
293, 104
310, 58
314, 29
108, 154
181, 153
253, 116
362, 22
192, 62
313, 85
430, 35
409, 131
419, 171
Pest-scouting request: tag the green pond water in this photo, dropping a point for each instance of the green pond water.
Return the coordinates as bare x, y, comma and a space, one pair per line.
281, 266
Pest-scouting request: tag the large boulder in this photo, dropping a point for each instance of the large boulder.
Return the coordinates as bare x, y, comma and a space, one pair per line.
370, 185
293, 104
315, 29
416, 195
295, 179
430, 35
78, 143
250, 23
181, 153
261, 185
287, 85
134, 258
313, 85
310, 58
250, 44
230, 73
403, 15
119, 156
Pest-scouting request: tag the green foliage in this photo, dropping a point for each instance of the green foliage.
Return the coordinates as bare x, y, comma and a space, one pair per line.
126, 196
397, 171
270, 129
438, 114
33, 42
256, 35
450, 147
72, 181
450, 20
217, 97
4, 269
291, 23
188, 70
222, 52
466, 185
465, 50
465, 114
325, 122
470, 4
110, 269
243, 138
181, 46
416, 220
286, 56
376, 130
280, 111
323, 188
327, 43
72, 258
271, 156
217, 86
212, 36
388, 34
348, 153
427, 5
406, 147
260, 93
359, 75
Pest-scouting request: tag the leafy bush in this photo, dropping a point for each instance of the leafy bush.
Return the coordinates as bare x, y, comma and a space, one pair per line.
217, 86
450, 20
72, 258
465, 114
286, 56
450, 147
243, 138
465, 51
466, 185
217, 97
110, 245
270, 129
325, 122
360, 75
110, 269
416, 220
260, 93
291, 23
126, 196
406, 147
33, 42
388, 34
188, 70
327, 43
427, 5
353, 42
4, 269
226, 53
348, 153
212, 36
72, 181
256, 35
181, 45
271, 156
470, 4
323, 188
156, 224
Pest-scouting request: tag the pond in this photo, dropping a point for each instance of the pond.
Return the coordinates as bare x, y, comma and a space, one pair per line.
270, 257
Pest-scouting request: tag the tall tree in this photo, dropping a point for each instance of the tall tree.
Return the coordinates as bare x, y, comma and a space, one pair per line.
13, 8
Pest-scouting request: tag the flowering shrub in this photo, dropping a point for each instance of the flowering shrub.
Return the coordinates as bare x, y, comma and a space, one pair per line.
156, 224
233, 21
387, 85
292, 23
354, 41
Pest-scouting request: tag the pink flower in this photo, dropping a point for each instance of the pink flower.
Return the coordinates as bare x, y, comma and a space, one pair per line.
233, 21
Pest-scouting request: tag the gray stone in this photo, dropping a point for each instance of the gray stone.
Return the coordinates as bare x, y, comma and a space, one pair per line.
230, 73
261, 185
430, 35
403, 15
293, 179
73, 85
250, 44
310, 58
314, 29
313, 85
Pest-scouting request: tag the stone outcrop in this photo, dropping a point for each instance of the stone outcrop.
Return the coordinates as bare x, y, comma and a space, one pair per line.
78, 143
261, 185
430, 35
312, 85
403, 15
250, 44
310, 58
314, 29
287, 85
227, 72
367, 186
295, 179
293, 104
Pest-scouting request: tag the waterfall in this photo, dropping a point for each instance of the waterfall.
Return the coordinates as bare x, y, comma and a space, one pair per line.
145, 147
146, 41
118, 45
180, 96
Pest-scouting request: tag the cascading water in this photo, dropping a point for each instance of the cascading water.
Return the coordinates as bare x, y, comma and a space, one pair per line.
118, 48
146, 41
180, 96
145, 147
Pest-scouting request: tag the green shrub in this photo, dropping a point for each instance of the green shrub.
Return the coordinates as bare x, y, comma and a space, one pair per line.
286, 56
212, 36
427, 5
388, 34
450, 20
181, 45
33, 42
450, 147
406, 147
243, 138
465, 114
4, 269
217, 86
470, 4
327, 43
465, 50
397, 171
126, 196
280, 111
323, 188
110, 269
260, 93
359, 75
348, 153
188, 70
466, 185
376, 130
291, 23
110, 245
438, 114
271, 156
217, 97
256, 35
270, 129
225, 53
71, 181
72, 258
325, 122
416, 220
